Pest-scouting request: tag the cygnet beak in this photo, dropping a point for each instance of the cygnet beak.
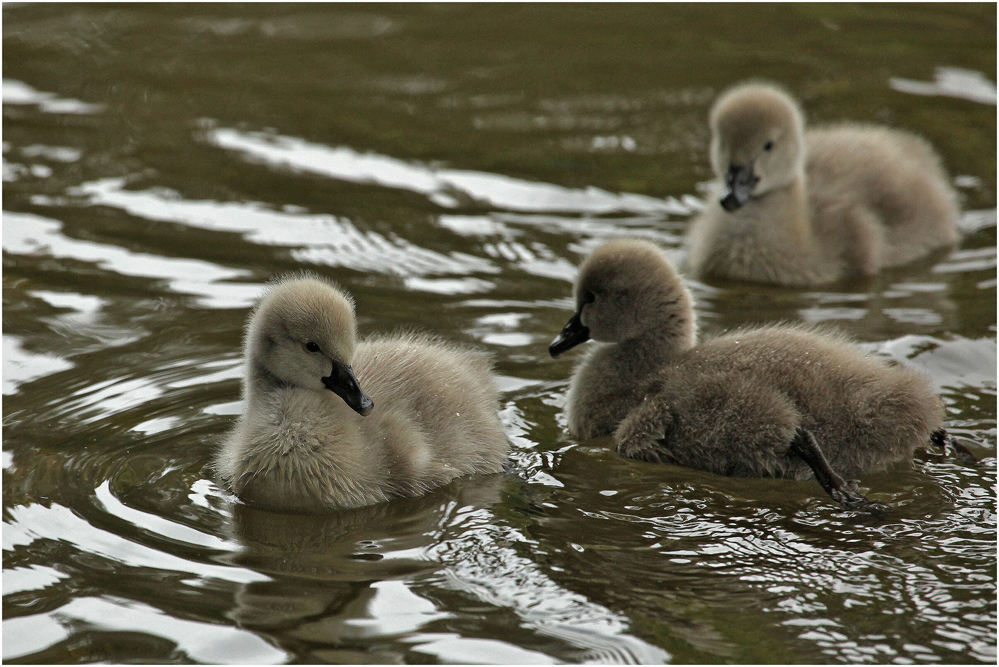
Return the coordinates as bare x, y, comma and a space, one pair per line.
572, 335
739, 184
343, 383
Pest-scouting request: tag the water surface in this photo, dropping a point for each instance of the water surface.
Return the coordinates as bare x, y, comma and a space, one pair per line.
450, 165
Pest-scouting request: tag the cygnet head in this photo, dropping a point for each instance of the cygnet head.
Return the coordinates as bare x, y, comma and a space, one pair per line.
302, 334
757, 142
628, 289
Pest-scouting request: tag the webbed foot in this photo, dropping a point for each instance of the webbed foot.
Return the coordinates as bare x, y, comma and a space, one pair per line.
844, 492
849, 497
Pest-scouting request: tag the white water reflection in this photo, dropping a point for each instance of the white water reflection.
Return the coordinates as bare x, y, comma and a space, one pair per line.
317, 238
98, 401
392, 609
53, 153
448, 285
476, 225
502, 329
27, 524
448, 188
84, 321
817, 314
19, 93
455, 649
963, 261
952, 82
86, 306
651, 227
956, 362
974, 220
202, 642
146, 522
537, 259
29, 234
31, 578
28, 634
12, 171
21, 366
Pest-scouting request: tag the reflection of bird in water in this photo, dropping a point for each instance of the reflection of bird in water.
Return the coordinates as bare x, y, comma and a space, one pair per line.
776, 401
300, 447
325, 568
894, 303
804, 208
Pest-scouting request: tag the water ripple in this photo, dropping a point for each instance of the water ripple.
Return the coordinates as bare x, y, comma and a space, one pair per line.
448, 188
34, 235
318, 239
21, 94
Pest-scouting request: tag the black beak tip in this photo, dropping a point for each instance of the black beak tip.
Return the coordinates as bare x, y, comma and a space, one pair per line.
365, 407
572, 335
344, 385
730, 202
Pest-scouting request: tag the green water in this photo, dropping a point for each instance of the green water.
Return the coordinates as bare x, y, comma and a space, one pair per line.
450, 165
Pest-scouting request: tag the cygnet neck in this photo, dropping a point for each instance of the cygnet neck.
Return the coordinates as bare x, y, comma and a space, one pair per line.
658, 345
259, 381
788, 203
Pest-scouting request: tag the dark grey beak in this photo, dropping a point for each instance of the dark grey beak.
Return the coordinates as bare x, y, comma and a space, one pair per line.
343, 383
572, 335
739, 184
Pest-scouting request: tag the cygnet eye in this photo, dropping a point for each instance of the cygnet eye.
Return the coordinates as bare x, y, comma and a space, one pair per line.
589, 297
769, 146
311, 347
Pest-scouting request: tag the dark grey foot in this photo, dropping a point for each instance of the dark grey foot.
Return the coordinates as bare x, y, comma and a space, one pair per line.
842, 491
942, 439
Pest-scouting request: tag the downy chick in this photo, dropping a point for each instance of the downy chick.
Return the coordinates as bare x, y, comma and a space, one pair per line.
775, 401
311, 439
796, 207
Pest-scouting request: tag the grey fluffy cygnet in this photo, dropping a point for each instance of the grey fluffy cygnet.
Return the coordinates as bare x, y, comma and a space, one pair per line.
310, 439
792, 207
775, 401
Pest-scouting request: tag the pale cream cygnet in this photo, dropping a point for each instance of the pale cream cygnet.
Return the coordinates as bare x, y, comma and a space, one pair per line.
775, 401
311, 439
796, 207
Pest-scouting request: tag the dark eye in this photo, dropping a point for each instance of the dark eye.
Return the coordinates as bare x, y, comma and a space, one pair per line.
311, 347
769, 146
589, 297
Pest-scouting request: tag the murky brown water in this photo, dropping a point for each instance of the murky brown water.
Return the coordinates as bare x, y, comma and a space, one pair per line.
450, 165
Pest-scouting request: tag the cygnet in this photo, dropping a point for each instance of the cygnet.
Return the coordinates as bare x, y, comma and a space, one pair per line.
775, 401
311, 439
796, 207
